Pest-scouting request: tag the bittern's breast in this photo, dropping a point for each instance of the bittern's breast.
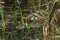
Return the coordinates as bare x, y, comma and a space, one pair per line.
58, 18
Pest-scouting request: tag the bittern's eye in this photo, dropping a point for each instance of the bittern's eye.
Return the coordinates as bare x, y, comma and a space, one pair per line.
32, 18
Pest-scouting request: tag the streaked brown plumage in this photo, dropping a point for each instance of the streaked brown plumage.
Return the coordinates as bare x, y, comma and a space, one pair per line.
58, 18
34, 17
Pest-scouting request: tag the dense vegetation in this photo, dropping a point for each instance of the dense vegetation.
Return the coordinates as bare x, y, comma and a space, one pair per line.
29, 19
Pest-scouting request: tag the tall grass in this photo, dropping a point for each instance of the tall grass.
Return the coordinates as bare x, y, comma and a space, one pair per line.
46, 20
3, 23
